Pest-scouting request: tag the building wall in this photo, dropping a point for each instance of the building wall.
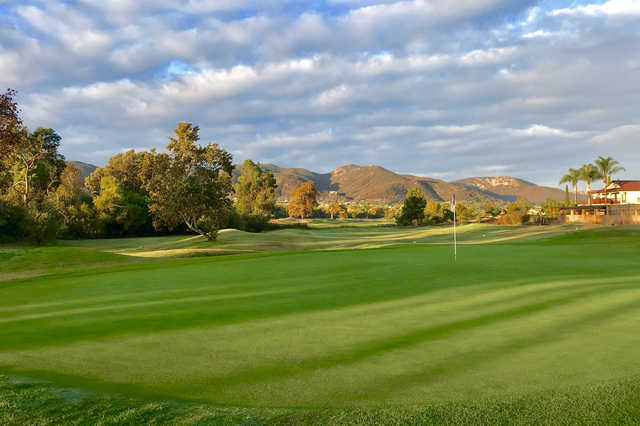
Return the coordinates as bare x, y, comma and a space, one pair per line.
633, 197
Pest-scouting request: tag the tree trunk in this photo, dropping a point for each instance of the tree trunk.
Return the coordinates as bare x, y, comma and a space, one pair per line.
589, 190
25, 194
575, 190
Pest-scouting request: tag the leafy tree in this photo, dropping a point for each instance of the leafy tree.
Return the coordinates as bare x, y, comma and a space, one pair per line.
334, 209
573, 177
608, 167
191, 184
255, 191
550, 208
589, 173
464, 213
73, 203
434, 212
355, 210
517, 213
125, 168
393, 212
14, 222
491, 209
36, 164
10, 123
303, 200
413, 209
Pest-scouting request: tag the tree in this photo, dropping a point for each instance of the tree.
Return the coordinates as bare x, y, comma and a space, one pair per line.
191, 184
573, 177
303, 200
608, 167
434, 212
413, 209
567, 199
491, 209
36, 162
517, 213
255, 191
334, 209
10, 123
73, 203
464, 213
589, 172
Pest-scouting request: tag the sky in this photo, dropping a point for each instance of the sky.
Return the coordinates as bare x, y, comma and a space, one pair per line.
445, 89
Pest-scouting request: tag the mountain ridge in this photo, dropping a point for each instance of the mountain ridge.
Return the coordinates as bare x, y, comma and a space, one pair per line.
352, 182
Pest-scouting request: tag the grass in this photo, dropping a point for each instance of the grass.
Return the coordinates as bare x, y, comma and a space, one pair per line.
531, 325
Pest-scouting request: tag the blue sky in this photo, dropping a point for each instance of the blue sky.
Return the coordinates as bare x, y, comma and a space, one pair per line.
437, 88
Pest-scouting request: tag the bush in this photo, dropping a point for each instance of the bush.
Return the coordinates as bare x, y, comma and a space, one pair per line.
248, 222
14, 222
44, 224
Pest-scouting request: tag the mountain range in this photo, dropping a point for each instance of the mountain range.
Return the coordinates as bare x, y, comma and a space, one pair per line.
377, 184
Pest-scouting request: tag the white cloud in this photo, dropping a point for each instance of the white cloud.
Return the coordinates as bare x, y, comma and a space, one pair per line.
612, 7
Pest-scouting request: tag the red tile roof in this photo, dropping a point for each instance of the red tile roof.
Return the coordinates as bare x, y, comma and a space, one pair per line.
625, 185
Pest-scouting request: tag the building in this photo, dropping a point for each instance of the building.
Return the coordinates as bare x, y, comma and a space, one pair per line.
618, 203
618, 192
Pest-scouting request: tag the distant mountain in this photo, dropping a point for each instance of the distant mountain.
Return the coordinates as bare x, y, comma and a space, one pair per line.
374, 183
85, 168
510, 189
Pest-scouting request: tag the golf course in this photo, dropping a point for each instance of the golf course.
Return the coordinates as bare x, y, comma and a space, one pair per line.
344, 322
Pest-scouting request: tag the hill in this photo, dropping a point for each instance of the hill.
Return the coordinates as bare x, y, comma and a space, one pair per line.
375, 183
512, 188
85, 168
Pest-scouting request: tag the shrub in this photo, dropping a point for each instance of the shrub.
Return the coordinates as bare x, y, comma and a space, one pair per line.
14, 222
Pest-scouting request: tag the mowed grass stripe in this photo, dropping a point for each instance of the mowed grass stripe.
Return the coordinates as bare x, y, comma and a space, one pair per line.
214, 387
394, 326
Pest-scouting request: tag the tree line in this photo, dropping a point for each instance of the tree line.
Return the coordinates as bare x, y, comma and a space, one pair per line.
187, 188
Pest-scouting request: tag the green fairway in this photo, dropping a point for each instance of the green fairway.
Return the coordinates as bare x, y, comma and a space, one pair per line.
531, 323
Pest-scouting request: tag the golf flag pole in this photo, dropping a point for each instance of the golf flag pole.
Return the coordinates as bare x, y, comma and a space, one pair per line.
455, 237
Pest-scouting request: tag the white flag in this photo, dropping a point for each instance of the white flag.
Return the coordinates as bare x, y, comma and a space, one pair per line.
453, 202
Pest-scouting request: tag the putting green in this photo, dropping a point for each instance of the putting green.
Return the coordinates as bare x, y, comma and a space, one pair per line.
390, 327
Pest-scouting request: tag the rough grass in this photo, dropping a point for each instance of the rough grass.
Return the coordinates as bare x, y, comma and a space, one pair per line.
540, 330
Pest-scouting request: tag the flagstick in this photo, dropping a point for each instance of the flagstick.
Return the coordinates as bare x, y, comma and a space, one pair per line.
455, 236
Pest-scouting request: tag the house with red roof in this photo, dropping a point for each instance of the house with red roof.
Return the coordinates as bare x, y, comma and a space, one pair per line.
617, 192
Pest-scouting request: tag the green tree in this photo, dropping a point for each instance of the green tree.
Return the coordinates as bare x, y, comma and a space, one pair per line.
10, 123
36, 164
573, 177
191, 184
73, 203
413, 209
491, 209
434, 212
567, 199
303, 200
255, 191
589, 173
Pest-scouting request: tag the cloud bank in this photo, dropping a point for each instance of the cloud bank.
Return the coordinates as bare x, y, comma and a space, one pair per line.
437, 88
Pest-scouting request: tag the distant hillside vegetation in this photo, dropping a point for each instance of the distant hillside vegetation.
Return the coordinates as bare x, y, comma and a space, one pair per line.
85, 168
513, 188
375, 183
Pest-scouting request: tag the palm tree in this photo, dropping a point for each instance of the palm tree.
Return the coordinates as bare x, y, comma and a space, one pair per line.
573, 177
607, 167
589, 173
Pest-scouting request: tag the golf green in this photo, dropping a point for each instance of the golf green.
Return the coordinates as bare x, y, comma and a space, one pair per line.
395, 328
